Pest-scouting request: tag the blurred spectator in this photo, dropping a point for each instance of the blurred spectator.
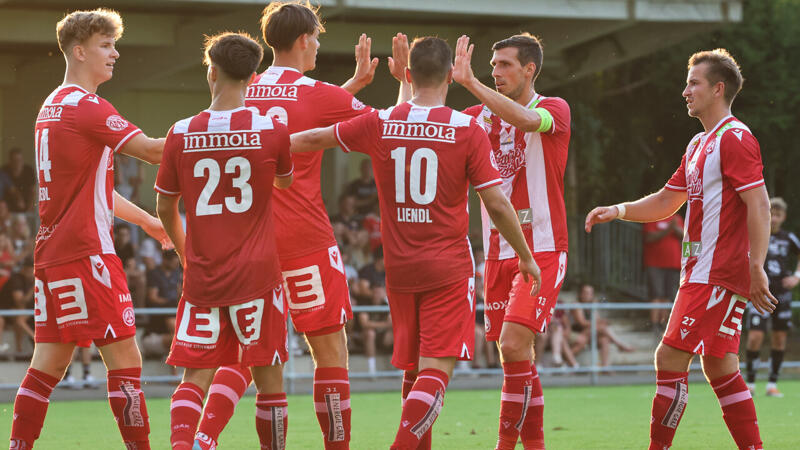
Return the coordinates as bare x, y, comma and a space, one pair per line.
662, 265
486, 350
164, 285
128, 174
126, 251
581, 324
364, 189
375, 327
88, 380
557, 335
372, 225
360, 250
150, 253
349, 270
122, 242
17, 293
5, 217
346, 222
7, 258
20, 196
21, 240
371, 276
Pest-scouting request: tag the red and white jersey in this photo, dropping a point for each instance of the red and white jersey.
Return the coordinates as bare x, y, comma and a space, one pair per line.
76, 135
301, 103
424, 159
224, 164
532, 166
715, 169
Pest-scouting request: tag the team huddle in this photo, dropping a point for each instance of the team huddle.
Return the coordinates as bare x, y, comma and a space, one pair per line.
258, 247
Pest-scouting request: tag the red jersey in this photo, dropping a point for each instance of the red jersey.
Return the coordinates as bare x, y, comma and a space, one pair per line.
224, 164
301, 221
76, 135
424, 159
665, 252
532, 166
715, 169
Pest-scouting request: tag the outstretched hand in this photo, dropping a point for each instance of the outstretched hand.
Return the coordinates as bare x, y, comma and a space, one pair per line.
155, 229
365, 65
601, 214
462, 68
760, 296
399, 59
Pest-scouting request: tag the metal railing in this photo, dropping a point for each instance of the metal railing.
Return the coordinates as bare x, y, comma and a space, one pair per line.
291, 374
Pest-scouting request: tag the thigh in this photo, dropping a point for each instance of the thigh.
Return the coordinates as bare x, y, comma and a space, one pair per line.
706, 320
447, 321
83, 300
535, 312
316, 291
405, 327
498, 278
204, 338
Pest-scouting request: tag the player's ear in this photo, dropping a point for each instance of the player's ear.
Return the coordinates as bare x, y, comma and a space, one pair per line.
251, 79
212, 73
530, 69
304, 40
408, 74
78, 52
450, 75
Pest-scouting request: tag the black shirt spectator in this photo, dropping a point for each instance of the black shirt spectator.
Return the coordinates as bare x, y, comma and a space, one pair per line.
122, 243
364, 189
164, 284
20, 196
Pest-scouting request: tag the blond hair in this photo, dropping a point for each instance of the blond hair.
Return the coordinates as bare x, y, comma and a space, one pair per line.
78, 26
721, 67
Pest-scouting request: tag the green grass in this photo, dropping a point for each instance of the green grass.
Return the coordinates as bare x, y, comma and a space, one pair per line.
575, 418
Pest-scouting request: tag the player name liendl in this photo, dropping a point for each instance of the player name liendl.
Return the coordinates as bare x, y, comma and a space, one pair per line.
414, 215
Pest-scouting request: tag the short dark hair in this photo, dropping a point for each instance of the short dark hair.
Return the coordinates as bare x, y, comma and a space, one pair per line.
236, 54
430, 61
282, 23
529, 49
721, 67
78, 26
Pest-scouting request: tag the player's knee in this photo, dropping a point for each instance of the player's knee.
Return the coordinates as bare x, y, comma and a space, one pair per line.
514, 349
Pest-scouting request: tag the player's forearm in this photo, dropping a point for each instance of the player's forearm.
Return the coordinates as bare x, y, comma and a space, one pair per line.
353, 85
656, 206
167, 209
127, 211
512, 112
505, 220
314, 139
758, 221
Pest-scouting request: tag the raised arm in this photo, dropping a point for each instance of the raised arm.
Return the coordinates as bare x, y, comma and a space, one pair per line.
167, 208
397, 66
129, 212
314, 139
505, 220
512, 112
365, 66
656, 206
145, 148
758, 219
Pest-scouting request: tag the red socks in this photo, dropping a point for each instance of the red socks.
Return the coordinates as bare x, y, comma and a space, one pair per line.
532, 432
516, 397
127, 403
408, 383
421, 408
672, 393
738, 410
184, 413
272, 420
228, 386
332, 404
30, 408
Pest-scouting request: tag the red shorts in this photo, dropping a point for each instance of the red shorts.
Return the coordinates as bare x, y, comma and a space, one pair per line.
317, 292
438, 323
508, 296
82, 301
706, 320
213, 337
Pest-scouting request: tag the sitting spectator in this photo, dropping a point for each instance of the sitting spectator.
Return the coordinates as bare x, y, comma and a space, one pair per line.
20, 196
364, 189
557, 334
17, 293
375, 327
164, 285
7, 259
126, 251
581, 324
21, 240
372, 225
150, 253
346, 222
5, 217
349, 270
360, 250
371, 276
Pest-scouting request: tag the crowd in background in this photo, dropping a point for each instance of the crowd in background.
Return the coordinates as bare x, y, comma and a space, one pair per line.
155, 276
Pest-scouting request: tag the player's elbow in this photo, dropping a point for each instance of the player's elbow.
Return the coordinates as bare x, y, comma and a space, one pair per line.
283, 182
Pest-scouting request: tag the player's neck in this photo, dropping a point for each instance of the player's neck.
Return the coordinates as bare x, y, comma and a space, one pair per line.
429, 96
526, 97
289, 59
227, 96
81, 78
713, 116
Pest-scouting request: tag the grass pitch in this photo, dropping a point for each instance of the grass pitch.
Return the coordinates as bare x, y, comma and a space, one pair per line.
575, 418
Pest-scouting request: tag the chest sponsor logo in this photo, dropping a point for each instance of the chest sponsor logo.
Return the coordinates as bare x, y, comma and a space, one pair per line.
197, 142
509, 157
419, 131
694, 185
272, 92
116, 123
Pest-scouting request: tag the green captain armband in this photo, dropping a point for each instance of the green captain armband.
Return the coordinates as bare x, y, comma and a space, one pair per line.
547, 120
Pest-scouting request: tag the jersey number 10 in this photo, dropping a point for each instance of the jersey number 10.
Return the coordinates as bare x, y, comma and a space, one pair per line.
421, 193
211, 166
